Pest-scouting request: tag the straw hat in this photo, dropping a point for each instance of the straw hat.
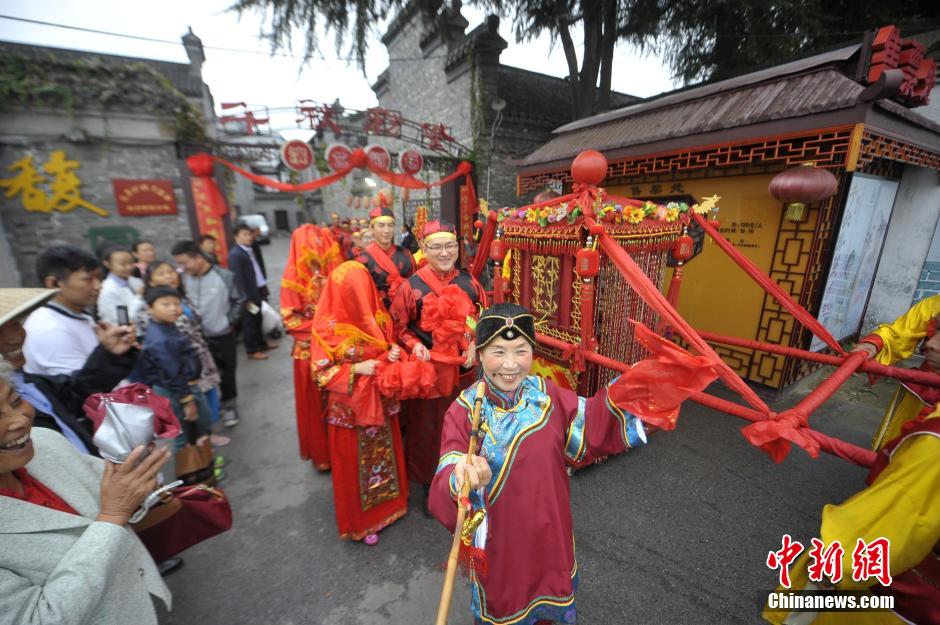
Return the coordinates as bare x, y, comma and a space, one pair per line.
17, 302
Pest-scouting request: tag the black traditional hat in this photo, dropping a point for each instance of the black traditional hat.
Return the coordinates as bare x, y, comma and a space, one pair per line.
506, 320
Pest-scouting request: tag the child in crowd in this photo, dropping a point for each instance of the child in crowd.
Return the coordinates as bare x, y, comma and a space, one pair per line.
168, 363
162, 273
120, 288
144, 254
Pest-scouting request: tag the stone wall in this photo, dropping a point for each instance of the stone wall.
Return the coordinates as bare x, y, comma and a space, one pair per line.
106, 147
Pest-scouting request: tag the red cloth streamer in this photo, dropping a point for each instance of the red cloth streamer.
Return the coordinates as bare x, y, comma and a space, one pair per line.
774, 435
483, 249
277, 184
847, 451
197, 164
201, 167
769, 285
640, 283
574, 355
654, 388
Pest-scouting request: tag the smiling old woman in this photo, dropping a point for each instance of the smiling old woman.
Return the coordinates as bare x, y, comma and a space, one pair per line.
67, 554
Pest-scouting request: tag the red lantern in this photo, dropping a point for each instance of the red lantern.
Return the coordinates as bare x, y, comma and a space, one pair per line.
478, 224
714, 223
497, 250
358, 158
587, 263
200, 164
801, 185
683, 248
589, 167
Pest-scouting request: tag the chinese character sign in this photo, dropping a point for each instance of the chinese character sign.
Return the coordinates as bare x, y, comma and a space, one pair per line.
210, 215
869, 560
62, 193
142, 198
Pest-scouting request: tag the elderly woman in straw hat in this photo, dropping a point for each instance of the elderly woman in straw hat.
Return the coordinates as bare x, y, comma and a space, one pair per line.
67, 554
57, 399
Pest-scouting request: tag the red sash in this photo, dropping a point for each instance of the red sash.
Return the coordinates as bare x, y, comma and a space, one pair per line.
430, 278
383, 260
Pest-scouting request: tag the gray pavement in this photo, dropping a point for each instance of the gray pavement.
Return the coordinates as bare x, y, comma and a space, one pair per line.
674, 533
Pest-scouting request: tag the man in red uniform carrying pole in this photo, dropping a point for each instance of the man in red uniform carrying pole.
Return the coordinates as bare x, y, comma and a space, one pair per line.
389, 264
313, 255
433, 313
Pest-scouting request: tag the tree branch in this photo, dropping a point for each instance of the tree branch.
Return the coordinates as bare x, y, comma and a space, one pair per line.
571, 56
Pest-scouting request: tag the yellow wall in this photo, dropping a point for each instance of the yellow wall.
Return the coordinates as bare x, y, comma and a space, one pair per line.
716, 295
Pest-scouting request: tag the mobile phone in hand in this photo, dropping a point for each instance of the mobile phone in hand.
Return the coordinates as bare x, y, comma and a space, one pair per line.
122, 317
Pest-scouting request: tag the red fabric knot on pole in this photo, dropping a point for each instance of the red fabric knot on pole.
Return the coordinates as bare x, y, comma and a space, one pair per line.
775, 434
575, 356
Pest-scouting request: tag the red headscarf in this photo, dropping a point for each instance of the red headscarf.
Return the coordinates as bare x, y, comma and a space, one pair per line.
313, 255
351, 325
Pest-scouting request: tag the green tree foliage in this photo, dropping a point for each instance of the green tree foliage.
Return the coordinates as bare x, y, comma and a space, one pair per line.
700, 39
716, 39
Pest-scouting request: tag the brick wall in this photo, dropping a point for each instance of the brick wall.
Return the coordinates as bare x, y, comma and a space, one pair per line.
144, 151
929, 284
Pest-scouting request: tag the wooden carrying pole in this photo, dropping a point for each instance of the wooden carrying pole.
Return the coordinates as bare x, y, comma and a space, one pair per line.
446, 593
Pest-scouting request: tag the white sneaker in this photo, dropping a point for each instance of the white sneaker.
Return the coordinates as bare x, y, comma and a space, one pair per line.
229, 418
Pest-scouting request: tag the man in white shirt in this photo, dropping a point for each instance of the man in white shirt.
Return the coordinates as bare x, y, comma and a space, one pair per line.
60, 335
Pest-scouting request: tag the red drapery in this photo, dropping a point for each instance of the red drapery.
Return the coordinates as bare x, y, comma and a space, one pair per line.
201, 166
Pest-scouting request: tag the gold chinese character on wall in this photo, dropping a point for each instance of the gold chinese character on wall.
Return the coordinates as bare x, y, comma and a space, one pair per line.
66, 193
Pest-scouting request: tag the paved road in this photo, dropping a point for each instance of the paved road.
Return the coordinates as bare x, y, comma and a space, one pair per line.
673, 533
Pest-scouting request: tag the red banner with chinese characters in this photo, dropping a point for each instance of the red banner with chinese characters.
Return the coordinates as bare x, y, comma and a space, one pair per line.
209, 214
467, 210
144, 198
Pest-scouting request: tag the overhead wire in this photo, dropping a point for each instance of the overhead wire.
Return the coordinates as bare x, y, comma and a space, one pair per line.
207, 47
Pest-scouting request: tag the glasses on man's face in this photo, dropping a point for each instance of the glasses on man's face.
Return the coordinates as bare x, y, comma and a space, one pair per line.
450, 247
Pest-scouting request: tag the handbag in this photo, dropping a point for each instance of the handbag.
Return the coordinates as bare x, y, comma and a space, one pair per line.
127, 417
194, 462
270, 318
183, 517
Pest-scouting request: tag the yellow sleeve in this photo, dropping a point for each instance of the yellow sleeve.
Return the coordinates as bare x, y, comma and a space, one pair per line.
903, 505
902, 336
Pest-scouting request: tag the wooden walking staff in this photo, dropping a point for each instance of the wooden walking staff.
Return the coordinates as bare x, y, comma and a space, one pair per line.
451, 574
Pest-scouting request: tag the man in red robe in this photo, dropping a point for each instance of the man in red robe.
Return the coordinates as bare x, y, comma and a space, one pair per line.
313, 255
389, 264
430, 312
335, 230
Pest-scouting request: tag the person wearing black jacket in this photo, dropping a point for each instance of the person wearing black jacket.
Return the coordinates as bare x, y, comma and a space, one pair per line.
57, 399
251, 280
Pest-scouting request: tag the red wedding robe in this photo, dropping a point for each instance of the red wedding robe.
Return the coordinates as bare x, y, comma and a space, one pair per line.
388, 268
424, 418
370, 489
313, 255
530, 549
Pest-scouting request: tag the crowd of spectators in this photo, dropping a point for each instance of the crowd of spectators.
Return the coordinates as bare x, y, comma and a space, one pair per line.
100, 321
